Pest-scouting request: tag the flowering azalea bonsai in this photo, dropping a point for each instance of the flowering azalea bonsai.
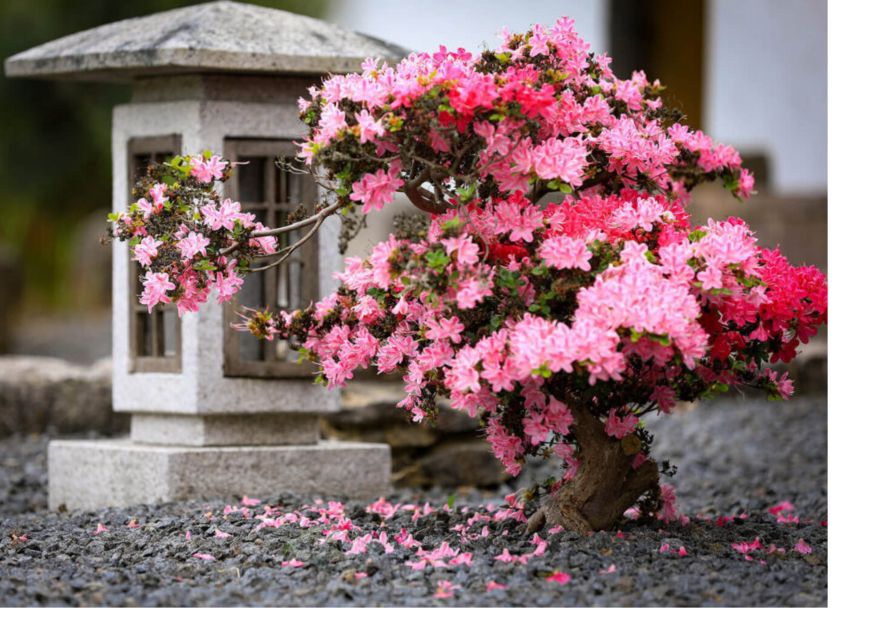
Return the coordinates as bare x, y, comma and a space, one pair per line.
555, 287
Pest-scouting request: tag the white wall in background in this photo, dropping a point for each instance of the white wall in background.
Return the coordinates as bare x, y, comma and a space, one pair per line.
424, 25
765, 85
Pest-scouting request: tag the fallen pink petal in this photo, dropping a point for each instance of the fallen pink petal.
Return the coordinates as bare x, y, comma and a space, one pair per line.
802, 547
559, 577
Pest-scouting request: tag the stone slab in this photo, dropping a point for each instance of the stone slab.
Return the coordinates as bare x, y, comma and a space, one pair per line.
209, 37
93, 474
44, 394
267, 429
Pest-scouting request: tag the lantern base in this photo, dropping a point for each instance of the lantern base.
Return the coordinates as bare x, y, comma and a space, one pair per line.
93, 474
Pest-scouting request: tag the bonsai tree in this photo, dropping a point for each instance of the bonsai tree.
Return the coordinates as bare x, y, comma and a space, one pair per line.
554, 287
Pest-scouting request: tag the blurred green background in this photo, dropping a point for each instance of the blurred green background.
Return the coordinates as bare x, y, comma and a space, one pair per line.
55, 167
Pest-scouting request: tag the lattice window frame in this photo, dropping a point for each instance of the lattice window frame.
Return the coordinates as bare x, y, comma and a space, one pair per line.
276, 361
148, 345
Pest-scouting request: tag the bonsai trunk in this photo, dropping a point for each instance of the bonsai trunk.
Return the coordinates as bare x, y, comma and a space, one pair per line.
604, 487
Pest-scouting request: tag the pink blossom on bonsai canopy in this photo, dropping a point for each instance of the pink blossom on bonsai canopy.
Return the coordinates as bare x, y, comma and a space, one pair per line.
556, 290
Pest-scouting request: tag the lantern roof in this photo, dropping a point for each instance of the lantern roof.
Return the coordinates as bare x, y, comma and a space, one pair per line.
223, 36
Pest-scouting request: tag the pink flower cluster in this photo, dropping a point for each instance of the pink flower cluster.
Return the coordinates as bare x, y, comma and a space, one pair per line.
184, 237
539, 109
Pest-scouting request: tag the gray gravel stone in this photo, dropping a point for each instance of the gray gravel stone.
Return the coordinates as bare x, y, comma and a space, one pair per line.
735, 457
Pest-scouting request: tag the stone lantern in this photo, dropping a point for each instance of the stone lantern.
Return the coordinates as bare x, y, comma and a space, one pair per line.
214, 411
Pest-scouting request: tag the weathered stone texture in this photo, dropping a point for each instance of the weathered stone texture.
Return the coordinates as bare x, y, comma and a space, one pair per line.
215, 36
86, 474
251, 429
450, 452
43, 394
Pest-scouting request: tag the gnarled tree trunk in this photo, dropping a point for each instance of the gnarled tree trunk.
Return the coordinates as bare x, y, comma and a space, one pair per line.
604, 487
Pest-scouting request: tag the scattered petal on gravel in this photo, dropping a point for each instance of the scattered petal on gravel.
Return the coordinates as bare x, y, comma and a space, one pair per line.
730, 474
803, 547
445, 589
559, 577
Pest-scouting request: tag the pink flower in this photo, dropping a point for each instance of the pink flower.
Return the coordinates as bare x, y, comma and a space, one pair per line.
293, 563
224, 217
668, 511
747, 547
467, 250
156, 193
620, 427
445, 589
471, 291
209, 170
710, 278
192, 245
383, 508
369, 128
784, 506
559, 577
560, 159
745, 183
518, 217
565, 252
802, 547
375, 191
146, 250
331, 122
445, 329
227, 284
155, 288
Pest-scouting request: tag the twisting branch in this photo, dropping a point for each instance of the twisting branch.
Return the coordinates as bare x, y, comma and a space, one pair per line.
290, 249
313, 220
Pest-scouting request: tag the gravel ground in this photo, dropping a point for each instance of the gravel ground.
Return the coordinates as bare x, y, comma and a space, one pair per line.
735, 457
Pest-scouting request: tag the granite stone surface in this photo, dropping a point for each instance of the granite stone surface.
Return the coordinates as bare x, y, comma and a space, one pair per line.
215, 36
90, 474
268, 429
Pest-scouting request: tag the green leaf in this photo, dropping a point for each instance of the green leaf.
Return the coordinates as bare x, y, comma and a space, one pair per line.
543, 371
509, 279
451, 226
204, 265
451, 501
437, 259
467, 193
662, 339
697, 235
565, 188
541, 270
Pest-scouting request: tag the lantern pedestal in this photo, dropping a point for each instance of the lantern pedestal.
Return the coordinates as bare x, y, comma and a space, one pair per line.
92, 474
